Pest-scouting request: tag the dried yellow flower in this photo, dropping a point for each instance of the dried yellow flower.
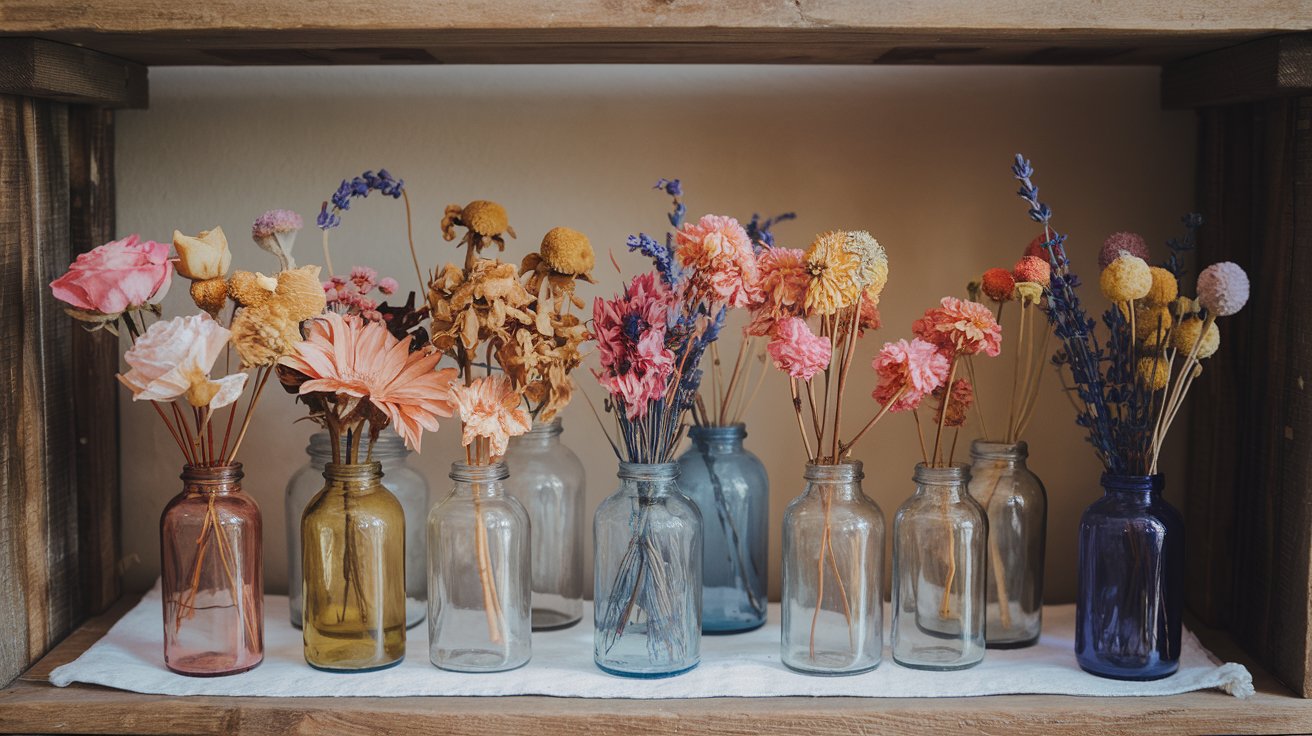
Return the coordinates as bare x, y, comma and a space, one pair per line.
1126, 279
1188, 332
250, 289
264, 334
836, 274
485, 221
1165, 288
210, 295
1151, 320
569, 252
1029, 291
300, 293
1154, 373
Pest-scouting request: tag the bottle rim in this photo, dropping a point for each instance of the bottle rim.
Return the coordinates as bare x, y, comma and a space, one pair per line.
982, 449
717, 432
845, 472
1133, 483
951, 474
648, 471
212, 475
389, 444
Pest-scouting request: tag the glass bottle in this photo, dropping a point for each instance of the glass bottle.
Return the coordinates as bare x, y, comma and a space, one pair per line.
1017, 507
212, 575
940, 536
479, 615
353, 555
547, 478
1130, 593
407, 484
730, 488
833, 559
648, 575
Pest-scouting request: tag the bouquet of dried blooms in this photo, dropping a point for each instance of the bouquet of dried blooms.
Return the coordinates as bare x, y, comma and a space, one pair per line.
1128, 391
171, 361
486, 314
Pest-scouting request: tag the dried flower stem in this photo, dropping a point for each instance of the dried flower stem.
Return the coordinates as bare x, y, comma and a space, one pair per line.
801, 425
262, 377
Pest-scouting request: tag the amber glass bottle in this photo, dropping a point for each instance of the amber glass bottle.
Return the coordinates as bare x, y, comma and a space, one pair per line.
353, 557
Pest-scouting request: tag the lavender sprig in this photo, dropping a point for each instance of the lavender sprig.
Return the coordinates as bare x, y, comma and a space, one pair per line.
761, 232
1179, 246
360, 186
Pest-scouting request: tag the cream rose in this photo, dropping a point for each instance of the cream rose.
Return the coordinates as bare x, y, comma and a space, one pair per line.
174, 357
204, 256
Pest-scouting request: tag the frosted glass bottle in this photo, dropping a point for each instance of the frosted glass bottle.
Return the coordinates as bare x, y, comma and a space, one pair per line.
547, 478
407, 484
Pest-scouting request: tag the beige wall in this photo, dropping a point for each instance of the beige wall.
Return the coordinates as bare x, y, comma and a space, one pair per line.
918, 157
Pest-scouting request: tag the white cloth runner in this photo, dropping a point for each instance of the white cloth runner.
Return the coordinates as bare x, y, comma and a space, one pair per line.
130, 657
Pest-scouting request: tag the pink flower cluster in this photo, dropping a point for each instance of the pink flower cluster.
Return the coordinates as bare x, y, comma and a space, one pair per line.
630, 331
350, 294
117, 276
718, 255
782, 293
908, 372
797, 350
961, 327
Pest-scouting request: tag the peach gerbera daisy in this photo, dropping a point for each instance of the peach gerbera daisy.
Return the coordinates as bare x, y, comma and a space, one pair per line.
349, 357
490, 408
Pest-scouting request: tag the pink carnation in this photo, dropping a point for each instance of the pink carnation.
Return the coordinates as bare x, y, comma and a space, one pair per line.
718, 255
117, 276
908, 372
630, 332
960, 326
388, 285
783, 280
1115, 243
797, 350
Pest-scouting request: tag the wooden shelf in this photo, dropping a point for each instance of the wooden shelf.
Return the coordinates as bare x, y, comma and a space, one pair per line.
32, 705
673, 31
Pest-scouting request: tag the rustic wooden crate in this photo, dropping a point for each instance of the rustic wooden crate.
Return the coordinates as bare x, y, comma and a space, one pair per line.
1246, 67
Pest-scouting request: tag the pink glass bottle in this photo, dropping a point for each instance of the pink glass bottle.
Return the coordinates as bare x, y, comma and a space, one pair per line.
212, 575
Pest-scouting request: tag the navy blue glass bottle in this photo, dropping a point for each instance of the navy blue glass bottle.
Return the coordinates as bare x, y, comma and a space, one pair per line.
1131, 582
730, 487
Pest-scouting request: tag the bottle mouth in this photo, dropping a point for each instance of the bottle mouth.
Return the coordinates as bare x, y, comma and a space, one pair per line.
1133, 483
353, 472
466, 473
986, 450
212, 474
845, 472
389, 444
648, 471
717, 433
542, 430
952, 474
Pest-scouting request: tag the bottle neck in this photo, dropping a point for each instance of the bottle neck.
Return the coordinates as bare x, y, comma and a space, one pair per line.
949, 482
838, 482
389, 448
354, 477
217, 480
648, 480
543, 435
1139, 487
999, 454
482, 481
718, 440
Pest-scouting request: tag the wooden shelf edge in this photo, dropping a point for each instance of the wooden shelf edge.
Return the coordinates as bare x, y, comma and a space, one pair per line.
31, 705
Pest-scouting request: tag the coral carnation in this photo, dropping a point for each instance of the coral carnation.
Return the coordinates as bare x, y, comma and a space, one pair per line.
962, 326
783, 280
959, 402
718, 256
797, 350
908, 372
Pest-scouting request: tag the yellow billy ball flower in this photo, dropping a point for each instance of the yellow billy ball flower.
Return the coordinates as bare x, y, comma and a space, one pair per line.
1126, 279
1165, 288
1149, 320
1188, 332
1153, 372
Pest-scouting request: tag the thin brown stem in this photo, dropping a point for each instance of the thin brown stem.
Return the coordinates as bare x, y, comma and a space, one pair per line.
943, 405
801, 425
846, 449
410, 235
920, 434
263, 378
843, 370
172, 432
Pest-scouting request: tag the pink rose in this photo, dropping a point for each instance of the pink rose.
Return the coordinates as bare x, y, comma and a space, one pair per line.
118, 276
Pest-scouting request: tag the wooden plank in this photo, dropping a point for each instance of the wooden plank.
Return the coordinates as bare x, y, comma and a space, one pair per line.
1259, 70
44, 69
1250, 501
94, 362
33, 706
569, 31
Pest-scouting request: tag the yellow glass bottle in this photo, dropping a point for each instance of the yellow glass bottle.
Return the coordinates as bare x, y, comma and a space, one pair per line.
353, 557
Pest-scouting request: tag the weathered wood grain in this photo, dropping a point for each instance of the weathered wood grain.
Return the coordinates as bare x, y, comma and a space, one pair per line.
1249, 504
44, 69
94, 362
1258, 70
578, 31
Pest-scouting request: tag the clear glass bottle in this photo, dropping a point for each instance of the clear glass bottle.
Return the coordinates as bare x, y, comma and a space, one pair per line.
547, 478
1130, 594
408, 485
940, 536
730, 488
833, 559
479, 615
1017, 507
353, 555
212, 575
648, 575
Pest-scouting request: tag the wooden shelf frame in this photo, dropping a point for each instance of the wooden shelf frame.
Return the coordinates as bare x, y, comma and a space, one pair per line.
32, 705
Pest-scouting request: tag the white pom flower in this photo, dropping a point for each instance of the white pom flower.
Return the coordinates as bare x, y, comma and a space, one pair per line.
1223, 288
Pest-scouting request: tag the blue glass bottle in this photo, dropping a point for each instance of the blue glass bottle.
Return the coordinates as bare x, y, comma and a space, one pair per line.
730, 488
647, 583
1130, 594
